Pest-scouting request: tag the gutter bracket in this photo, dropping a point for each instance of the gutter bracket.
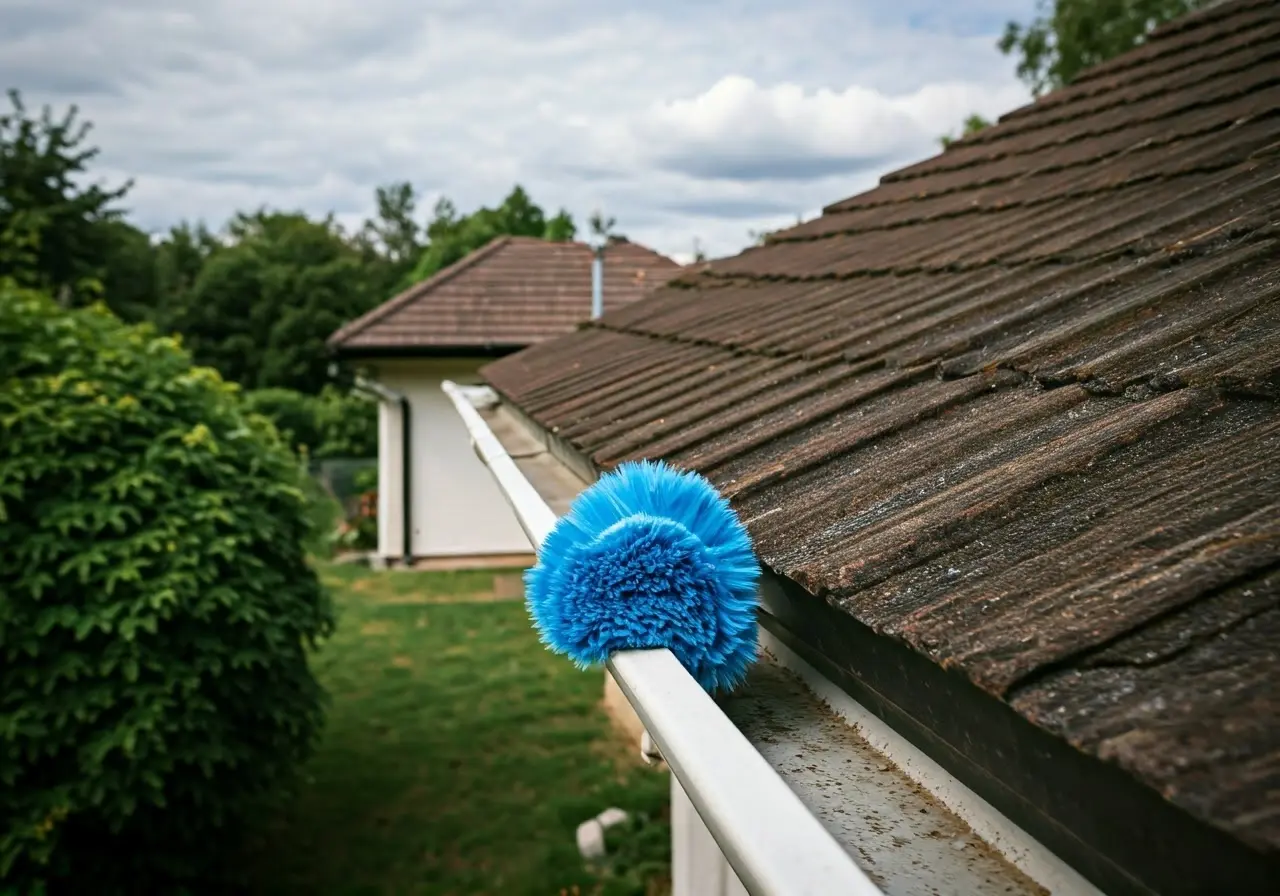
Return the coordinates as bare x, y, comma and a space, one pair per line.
649, 751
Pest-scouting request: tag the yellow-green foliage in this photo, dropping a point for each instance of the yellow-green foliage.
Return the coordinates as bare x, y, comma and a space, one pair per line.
156, 607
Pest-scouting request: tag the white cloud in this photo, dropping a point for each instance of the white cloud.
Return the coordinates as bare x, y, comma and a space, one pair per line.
681, 120
739, 130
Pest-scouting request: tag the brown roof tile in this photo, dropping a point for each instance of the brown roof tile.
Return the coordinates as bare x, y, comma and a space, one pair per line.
1018, 408
515, 291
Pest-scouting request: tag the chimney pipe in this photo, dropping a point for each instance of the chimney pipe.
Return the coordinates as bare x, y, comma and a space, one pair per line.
597, 283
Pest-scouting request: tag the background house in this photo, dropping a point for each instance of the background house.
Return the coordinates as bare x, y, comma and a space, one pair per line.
514, 292
1006, 433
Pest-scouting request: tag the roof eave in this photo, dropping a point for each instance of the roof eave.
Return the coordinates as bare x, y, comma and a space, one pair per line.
772, 841
540, 481
340, 338
488, 350
1097, 818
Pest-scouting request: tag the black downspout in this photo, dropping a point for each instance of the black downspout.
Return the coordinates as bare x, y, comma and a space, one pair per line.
406, 458
406, 478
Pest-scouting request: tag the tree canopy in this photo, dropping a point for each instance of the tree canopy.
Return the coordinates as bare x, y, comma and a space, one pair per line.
972, 125
451, 236
1068, 36
255, 299
56, 234
261, 306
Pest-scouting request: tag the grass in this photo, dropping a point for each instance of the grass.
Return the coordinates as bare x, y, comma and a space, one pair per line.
459, 755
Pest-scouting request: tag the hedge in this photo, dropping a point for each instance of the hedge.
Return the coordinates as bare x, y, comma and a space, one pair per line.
333, 424
156, 608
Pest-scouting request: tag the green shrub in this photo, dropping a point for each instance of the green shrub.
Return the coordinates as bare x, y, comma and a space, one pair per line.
638, 853
293, 414
329, 425
326, 517
348, 425
156, 608
363, 524
366, 480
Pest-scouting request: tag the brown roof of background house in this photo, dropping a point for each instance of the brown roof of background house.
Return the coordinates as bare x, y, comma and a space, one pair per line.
513, 292
1018, 408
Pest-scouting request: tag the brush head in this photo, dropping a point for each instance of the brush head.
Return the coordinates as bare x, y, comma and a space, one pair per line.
649, 557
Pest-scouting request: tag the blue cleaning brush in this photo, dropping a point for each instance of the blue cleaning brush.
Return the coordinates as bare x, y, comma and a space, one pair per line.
648, 557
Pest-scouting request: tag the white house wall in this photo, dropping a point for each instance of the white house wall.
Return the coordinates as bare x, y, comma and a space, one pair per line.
698, 867
458, 510
390, 473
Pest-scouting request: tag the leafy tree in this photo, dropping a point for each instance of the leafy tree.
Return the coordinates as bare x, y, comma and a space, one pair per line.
602, 227
292, 413
348, 425
333, 424
393, 229
519, 216
55, 231
130, 284
179, 258
452, 236
1068, 36
971, 126
261, 307
156, 613
560, 228
444, 220
222, 317
392, 240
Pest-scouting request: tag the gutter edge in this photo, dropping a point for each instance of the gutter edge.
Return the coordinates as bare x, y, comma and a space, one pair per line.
772, 841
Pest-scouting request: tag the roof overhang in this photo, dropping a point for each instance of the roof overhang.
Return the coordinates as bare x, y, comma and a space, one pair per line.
380, 352
914, 826
1103, 822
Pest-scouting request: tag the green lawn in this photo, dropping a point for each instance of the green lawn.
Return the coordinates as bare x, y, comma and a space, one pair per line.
459, 756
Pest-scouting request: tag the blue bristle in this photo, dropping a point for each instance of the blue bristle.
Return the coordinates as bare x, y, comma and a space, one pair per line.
647, 557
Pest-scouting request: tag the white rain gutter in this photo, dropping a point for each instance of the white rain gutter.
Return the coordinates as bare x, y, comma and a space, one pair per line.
774, 843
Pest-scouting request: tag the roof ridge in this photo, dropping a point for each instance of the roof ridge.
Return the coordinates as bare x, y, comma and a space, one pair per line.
649, 250
417, 290
524, 238
641, 248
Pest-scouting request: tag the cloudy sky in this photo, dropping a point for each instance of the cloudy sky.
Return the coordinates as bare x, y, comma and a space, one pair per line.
683, 119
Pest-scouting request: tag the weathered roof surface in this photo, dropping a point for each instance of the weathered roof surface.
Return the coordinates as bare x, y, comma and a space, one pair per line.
513, 292
1017, 407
